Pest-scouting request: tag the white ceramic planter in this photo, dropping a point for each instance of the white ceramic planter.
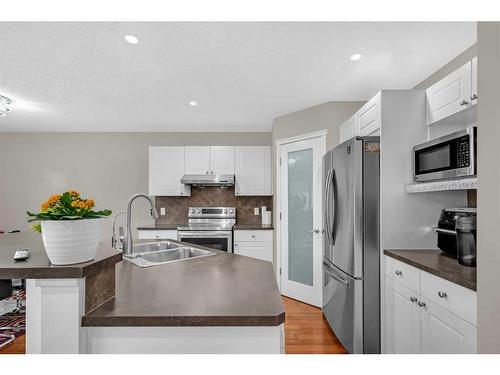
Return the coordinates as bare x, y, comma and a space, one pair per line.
71, 241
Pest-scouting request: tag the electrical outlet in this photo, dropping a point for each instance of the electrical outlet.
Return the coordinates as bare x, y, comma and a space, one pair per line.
256, 211
162, 211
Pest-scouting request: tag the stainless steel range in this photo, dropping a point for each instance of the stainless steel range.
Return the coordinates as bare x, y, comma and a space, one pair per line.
209, 226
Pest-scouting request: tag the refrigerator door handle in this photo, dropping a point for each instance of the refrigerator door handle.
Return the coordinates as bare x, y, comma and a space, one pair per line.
333, 276
334, 204
326, 210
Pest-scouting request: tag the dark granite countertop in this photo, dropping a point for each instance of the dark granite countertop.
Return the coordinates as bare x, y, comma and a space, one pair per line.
38, 266
161, 226
220, 290
252, 227
437, 263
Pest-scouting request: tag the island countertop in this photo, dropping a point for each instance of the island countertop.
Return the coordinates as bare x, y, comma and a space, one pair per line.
218, 290
38, 266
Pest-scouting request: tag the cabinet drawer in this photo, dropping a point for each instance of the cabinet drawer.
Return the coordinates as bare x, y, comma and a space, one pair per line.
257, 250
157, 234
253, 235
452, 297
403, 273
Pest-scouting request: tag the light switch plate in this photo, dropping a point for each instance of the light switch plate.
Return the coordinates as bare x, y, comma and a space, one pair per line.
162, 211
256, 211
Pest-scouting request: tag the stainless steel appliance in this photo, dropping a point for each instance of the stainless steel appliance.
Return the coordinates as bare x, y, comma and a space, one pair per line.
208, 179
447, 240
209, 226
351, 250
450, 156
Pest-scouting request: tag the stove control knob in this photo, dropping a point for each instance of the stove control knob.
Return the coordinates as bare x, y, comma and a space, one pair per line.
231, 211
198, 211
225, 210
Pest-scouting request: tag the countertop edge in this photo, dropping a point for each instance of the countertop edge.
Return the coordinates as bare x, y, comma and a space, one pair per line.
183, 321
459, 281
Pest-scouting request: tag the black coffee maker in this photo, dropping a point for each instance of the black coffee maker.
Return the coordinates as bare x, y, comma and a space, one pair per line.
456, 234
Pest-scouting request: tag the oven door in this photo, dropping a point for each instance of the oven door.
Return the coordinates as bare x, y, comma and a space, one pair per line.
218, 240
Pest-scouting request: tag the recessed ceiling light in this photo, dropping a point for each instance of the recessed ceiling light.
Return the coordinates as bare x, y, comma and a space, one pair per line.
193, 103
356, 57
131, 39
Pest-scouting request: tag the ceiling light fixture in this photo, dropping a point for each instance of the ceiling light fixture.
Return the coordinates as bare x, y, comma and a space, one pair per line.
193, 103
356, 56
4, 105
131, 39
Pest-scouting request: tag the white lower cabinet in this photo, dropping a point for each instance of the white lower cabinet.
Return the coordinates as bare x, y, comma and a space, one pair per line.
256, 244
402, 319
157, 234
427, 314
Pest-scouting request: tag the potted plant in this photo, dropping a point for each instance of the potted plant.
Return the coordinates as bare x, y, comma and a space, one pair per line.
70, 228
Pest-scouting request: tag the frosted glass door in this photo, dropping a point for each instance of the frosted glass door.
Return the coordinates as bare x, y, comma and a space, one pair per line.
300, 227
300, 213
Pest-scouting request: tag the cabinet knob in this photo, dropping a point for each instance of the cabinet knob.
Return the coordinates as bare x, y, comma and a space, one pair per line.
399, 272
442, 294
473, 97
253, 235
212, 172
464, 102
413, 299
421, 304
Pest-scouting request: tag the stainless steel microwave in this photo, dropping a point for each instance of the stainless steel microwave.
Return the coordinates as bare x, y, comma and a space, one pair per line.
447, 157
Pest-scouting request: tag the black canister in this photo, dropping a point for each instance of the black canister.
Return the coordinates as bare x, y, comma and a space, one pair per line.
466, 240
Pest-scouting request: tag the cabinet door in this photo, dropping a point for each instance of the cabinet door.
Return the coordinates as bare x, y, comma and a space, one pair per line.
347, 130
253, 170
445, 333
474, 81
197, 159
166, 167
257, 250
368, 117
402, 319
222, 159
450, 95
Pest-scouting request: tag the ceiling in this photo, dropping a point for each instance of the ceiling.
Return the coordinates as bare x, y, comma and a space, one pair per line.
85, 77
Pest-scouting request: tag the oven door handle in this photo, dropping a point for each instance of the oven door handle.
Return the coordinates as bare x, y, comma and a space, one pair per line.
445, 231
193, 234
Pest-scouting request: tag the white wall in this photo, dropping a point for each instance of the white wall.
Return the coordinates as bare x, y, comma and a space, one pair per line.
109, 167
488, 194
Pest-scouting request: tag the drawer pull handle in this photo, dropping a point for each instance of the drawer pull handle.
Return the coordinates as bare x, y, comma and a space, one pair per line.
442, 294
399, 272
413, 299
421, 304
253, 235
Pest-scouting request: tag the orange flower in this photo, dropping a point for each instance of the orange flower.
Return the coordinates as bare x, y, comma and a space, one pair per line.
45, 206
81, 204
55, 198
74, 193
90, 203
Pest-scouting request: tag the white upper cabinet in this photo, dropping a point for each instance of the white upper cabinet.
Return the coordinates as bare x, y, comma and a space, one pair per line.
197, 159
166, 167
222, 159
450, 95
368, 117
474, 81
253, 170
347, 130
209, 159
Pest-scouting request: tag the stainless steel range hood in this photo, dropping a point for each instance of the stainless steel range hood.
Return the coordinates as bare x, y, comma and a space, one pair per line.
208, 179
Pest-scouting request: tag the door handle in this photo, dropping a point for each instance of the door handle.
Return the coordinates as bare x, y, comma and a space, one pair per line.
326, 222
335, 277
334, 203
464, 102
315, 230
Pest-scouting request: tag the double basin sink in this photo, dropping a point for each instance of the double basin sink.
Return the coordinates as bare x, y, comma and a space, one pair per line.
155, 253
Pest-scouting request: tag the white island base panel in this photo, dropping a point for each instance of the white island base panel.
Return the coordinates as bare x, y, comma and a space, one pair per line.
185, 340
54, 309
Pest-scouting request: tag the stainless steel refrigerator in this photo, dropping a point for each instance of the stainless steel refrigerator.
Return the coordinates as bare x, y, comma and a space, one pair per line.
351, 249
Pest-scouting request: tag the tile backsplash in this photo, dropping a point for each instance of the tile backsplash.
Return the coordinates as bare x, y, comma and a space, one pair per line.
176, 208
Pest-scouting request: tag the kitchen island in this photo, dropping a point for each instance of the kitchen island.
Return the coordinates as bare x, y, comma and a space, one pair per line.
223, 303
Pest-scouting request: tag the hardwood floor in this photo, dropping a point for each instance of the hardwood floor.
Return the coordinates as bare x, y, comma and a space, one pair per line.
17, 347
306, 330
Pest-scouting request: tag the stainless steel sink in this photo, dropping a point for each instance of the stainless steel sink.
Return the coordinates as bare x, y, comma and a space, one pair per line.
155, 253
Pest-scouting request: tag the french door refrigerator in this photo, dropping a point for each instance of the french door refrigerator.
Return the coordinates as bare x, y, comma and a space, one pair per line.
351, 250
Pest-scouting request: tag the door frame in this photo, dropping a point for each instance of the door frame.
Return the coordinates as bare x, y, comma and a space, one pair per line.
279, 143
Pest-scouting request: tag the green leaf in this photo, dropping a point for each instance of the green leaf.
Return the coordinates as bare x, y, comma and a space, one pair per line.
66, 199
